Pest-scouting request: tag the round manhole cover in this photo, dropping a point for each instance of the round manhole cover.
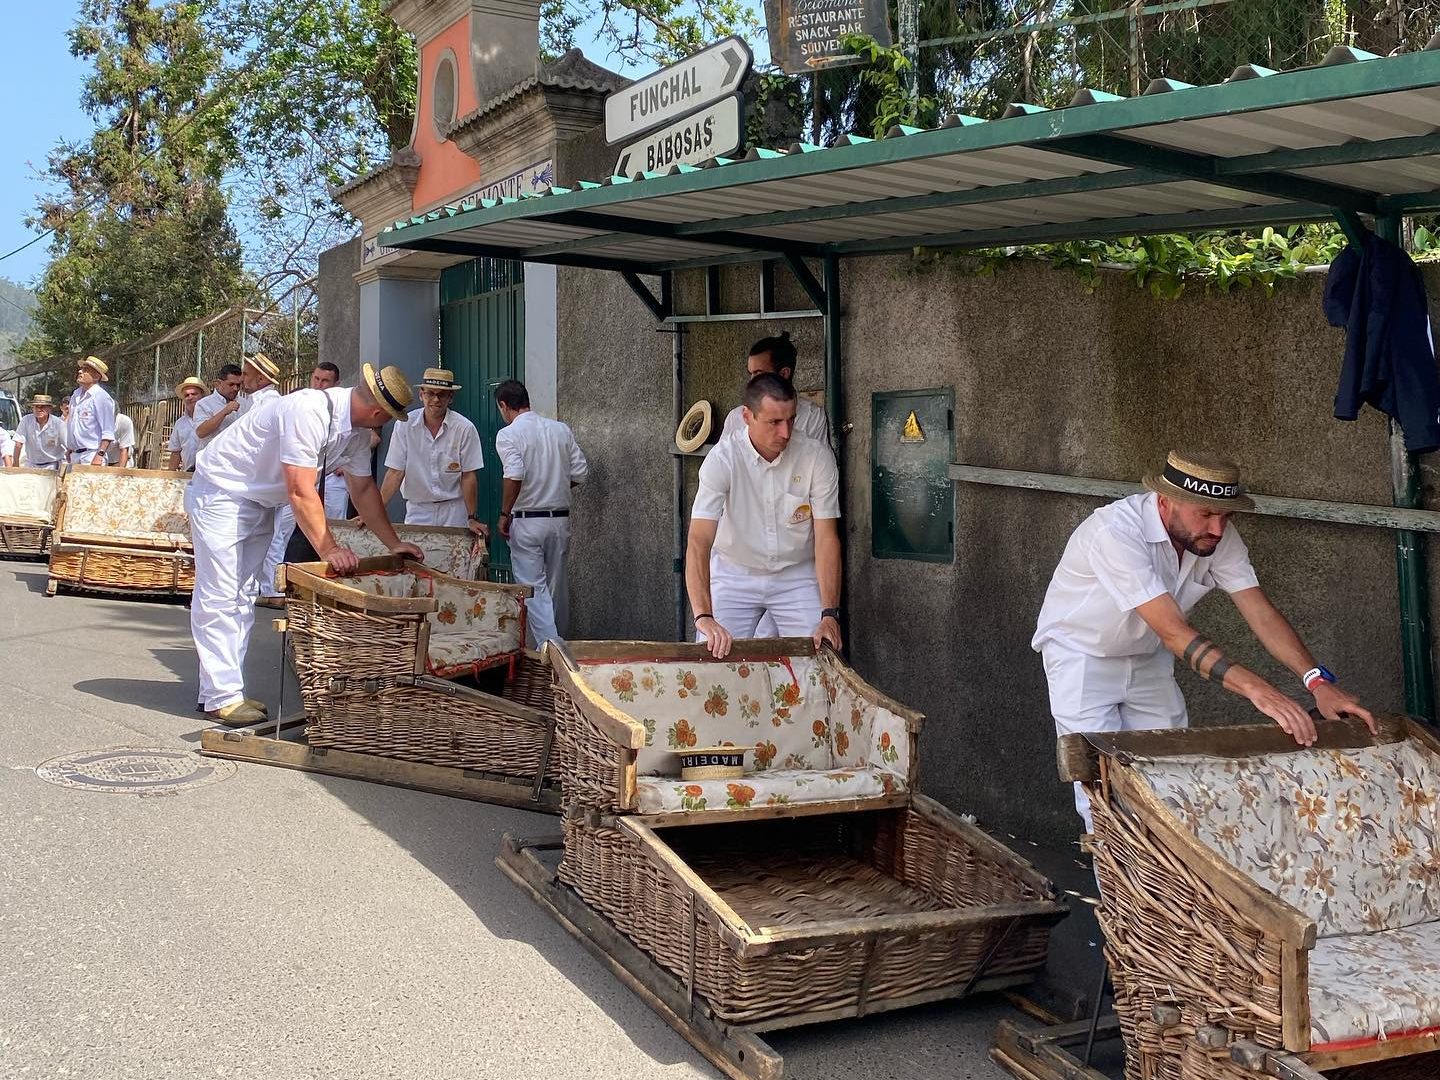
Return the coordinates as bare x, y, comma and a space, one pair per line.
135, 770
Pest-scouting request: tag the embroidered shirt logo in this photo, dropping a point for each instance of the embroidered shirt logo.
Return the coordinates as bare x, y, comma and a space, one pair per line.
454, 466
801, 514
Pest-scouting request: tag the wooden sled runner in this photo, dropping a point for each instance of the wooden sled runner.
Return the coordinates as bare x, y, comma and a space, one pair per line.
818, 886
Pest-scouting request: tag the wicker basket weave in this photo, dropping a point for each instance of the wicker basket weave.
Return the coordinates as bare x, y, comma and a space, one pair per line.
122, 570
23, 539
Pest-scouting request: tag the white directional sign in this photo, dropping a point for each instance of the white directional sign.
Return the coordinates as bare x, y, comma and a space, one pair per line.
715, 130
673, 91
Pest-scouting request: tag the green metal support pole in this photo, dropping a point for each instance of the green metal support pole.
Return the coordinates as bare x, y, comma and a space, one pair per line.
834, 407
1410, 559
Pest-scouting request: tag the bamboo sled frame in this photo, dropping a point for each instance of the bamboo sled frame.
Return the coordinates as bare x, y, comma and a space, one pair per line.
737, 1050
1284, 1049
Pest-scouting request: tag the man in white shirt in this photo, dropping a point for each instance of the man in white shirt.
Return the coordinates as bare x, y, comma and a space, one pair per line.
768, 510
434, 458
258, 377
269, 458
7, 448
541, 463
40, 438
218, 409
776, 356
182, 432
1115, 614
122, 448
323, 377
91, 428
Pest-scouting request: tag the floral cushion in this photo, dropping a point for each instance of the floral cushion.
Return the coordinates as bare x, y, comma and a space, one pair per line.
474, 622
28, 495
1367, 986
799, 713
1349, 837
447, 552
772, 788
110, 503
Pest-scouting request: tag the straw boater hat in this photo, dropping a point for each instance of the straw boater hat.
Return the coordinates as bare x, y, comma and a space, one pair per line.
1206, 479
42, 399
95, 364
264, 365
191, 380
391, 390
438, 378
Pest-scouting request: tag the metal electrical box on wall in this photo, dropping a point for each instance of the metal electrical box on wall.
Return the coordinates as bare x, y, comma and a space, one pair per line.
912, 498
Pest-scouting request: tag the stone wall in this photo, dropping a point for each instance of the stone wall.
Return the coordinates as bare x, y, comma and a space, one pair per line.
1049, 376
339, 316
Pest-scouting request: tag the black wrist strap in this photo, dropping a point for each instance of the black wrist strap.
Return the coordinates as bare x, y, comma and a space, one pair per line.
703, 615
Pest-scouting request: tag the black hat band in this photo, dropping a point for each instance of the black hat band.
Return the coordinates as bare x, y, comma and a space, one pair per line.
385, 392
1194, 485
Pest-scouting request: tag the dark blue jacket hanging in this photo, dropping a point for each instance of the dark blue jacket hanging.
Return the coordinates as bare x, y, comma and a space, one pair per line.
1379, 298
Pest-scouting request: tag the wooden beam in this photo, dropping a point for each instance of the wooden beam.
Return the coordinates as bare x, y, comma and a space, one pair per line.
1380, 517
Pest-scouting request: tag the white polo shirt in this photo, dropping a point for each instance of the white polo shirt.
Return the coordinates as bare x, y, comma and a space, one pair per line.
259, 397
92, 418
208, 406
7, 443
124, 436
1119, 558
182, 438
245, 460
542, 454
433, 465
43, 446
810, 420
766, 509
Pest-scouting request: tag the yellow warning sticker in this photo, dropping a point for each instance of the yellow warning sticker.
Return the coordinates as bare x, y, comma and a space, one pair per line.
912, 432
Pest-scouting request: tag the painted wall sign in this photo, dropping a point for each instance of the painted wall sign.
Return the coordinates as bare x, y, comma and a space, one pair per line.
531, 178
673, 91
806, 35
717, 129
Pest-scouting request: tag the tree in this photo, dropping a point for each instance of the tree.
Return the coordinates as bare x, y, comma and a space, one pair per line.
141, 235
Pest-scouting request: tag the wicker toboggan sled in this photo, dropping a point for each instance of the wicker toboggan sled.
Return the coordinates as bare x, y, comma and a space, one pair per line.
27, 511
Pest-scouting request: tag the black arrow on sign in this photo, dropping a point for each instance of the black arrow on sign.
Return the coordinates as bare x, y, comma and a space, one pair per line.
620, 170
734, 62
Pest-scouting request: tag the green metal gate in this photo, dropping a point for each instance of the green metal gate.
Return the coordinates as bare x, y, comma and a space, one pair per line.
482, 340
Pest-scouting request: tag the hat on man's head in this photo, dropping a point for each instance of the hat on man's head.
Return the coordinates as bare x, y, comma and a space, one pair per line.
264, 365
42, 399
95, 364
190, 380
1206, 479
390, 389
438, 378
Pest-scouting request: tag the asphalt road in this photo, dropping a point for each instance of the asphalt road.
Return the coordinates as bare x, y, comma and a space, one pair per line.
286, 926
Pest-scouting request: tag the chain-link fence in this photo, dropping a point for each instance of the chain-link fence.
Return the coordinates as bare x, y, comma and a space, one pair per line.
976, 57
144, 373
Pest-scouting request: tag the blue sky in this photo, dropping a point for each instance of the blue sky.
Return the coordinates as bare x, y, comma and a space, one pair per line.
40, 82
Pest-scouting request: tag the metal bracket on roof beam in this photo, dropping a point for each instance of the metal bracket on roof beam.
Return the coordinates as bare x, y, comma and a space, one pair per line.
1187, 166
1353, 228
808, 281
659, 307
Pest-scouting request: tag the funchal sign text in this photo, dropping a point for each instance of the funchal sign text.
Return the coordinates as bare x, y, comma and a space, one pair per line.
682, 114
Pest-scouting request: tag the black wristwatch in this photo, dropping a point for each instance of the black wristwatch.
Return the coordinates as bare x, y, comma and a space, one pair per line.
830, 613
477, 517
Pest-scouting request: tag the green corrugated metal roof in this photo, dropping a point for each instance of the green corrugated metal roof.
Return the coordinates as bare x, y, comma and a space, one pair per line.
1357, 134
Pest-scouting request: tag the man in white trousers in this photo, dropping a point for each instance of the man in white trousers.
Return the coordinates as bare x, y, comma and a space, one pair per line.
91, 427
768, 511
40, 438
220, 408
270, 457
1116, 612
121, 453
434, 459
541, 463
323, 377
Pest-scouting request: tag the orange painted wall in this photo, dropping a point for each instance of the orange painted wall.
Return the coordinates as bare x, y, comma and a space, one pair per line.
444, 170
